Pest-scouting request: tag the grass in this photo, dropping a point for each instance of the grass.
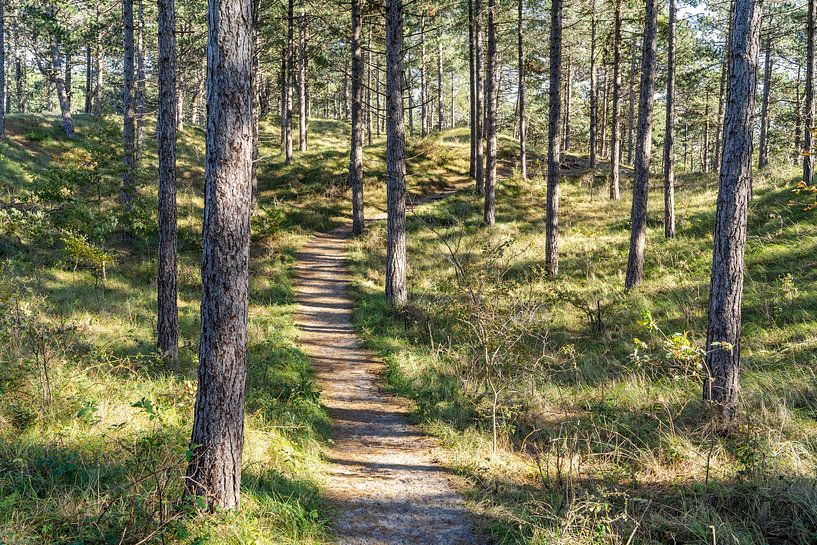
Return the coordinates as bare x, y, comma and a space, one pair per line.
602, 435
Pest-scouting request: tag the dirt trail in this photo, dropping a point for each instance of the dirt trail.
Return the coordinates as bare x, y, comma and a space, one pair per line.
385, 479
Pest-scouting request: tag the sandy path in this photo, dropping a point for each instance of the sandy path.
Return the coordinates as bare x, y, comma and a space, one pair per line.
385, 479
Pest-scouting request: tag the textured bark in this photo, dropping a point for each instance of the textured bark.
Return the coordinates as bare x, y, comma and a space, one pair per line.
55, 76
218, 428
479, 114
472, 92
491, 99
128, 107
355, 177
303, 119
594, 98
396, 289
568, 103
368, 88
440, 103
631, 108
523, 161
615, 135
288, 84
69, 82
282, 100
554, 112
140, 80
167, 322
724, 80
2, 72
763, 147
811, 66
734, 194
669, 153
638, 215
605, 87
423, 78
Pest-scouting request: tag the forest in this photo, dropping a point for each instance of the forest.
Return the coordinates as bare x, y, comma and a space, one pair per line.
408, 272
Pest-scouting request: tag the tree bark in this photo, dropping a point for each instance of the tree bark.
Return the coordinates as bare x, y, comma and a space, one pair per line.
523, 161
69, 82
491, 99
705, 157
472, 167
594, 98
631, 109
798, 116
423, 78
479, 171
638, 216
669, 154
140, 81
303, 119
554, 112
218, 428
368, 88
128, 108
724, 80
396, 289
378, 114
734, 193
615, 135
167, 322
2, 72
19, 71
811, 66
440, 102
288, 83
763, 151
355, 178
88, 79
568, 101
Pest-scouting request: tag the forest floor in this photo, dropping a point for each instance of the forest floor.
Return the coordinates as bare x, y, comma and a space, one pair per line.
385, 479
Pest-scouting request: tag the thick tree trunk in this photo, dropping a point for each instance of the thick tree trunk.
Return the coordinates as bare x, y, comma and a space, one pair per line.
669, 154
631, 108
734, 193
472, 168
396, 289
763, 149
288, 90
480, 111
523, 161
140, 81
638, 215
594, 98
615, 136
2, 73
218, 428
167, 318
811, 66
554, 111
491, 99
440, 102
355, 177
303, 108
128, 108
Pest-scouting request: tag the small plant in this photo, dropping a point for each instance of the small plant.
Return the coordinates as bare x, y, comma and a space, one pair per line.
78, 251
675, 354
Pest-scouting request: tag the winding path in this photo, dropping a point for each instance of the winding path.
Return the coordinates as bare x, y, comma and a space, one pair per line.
385, 479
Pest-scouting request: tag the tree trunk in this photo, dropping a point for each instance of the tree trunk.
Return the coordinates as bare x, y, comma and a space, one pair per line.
479, 114
355, 179
59, 83
669, 155
594, 98
283, 100
288, 90
491, 99
19, 71
631, 109
615, 136
763, 153
303, 119
98, 70
568, 101
88, 79
523, 162
638, 216
378, 114
2, 72
734, 193
396, 289
368, 88
69, 82
140, 81
705, 156
440, 103
605, 87
472, 167
423, 78
218, 427
798, 116
554, 111
724, 80
808, 139
167, 319
128, 108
